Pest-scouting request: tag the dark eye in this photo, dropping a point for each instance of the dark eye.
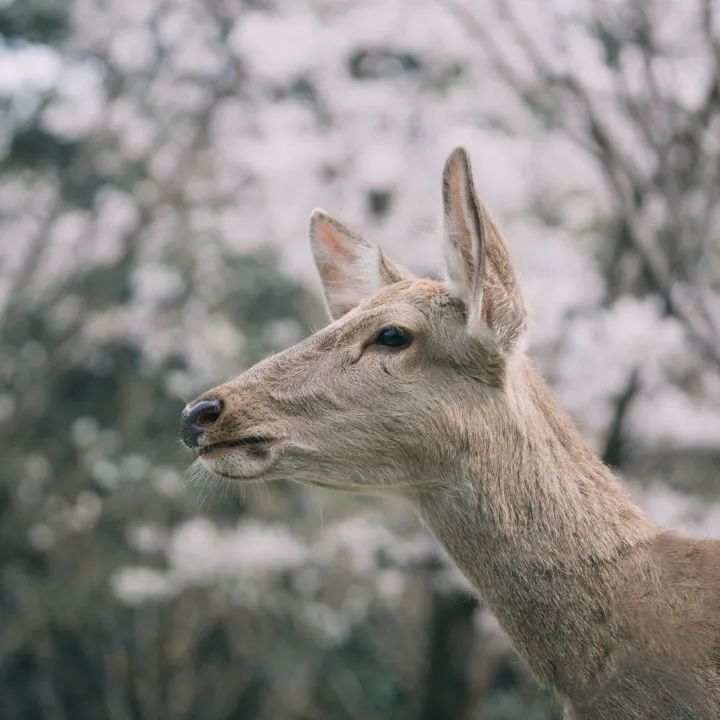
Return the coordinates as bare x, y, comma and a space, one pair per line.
393, 337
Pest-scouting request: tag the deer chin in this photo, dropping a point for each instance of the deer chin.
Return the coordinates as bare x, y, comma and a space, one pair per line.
242, 459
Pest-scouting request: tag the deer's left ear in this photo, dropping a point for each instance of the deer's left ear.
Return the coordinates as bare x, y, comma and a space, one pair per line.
351, 268
478, 267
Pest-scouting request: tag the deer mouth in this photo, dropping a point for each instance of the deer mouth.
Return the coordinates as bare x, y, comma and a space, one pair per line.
254, 444
246, 458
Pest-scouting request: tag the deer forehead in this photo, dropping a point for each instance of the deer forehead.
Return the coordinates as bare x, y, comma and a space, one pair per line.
409, 302
419, 294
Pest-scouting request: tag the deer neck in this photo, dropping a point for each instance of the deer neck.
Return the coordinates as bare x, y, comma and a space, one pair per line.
546, 535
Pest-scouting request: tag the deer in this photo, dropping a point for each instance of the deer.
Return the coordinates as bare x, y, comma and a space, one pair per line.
423, 389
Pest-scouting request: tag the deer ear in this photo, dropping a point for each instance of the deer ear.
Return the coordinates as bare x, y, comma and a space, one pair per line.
351, 268
465, 234
478, 267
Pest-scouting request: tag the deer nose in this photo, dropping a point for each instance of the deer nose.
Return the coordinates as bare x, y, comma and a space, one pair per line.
198, 419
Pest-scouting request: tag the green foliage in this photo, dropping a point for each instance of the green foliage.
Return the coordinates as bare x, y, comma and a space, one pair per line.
33, 147
34, 20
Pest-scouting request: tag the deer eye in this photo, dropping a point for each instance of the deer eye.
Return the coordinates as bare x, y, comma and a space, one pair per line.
393, 337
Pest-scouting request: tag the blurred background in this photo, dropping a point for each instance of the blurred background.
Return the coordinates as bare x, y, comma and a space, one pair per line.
159, 161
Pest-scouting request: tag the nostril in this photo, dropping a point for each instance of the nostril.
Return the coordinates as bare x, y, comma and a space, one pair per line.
198, 419
207, 418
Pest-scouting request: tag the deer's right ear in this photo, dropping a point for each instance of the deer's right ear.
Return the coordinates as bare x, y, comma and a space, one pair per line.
350, 267
478, 268
464, 235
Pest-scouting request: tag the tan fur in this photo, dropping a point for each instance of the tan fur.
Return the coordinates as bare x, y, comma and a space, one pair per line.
621, 619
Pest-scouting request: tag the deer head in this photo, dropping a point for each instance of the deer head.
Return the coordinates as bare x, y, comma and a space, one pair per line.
410, 377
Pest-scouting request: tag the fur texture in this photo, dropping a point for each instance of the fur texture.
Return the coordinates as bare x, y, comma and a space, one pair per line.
621, 619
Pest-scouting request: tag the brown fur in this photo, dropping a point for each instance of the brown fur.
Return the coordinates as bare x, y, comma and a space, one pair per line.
621, 619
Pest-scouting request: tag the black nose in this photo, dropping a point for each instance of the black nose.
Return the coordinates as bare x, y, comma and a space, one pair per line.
198, 419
